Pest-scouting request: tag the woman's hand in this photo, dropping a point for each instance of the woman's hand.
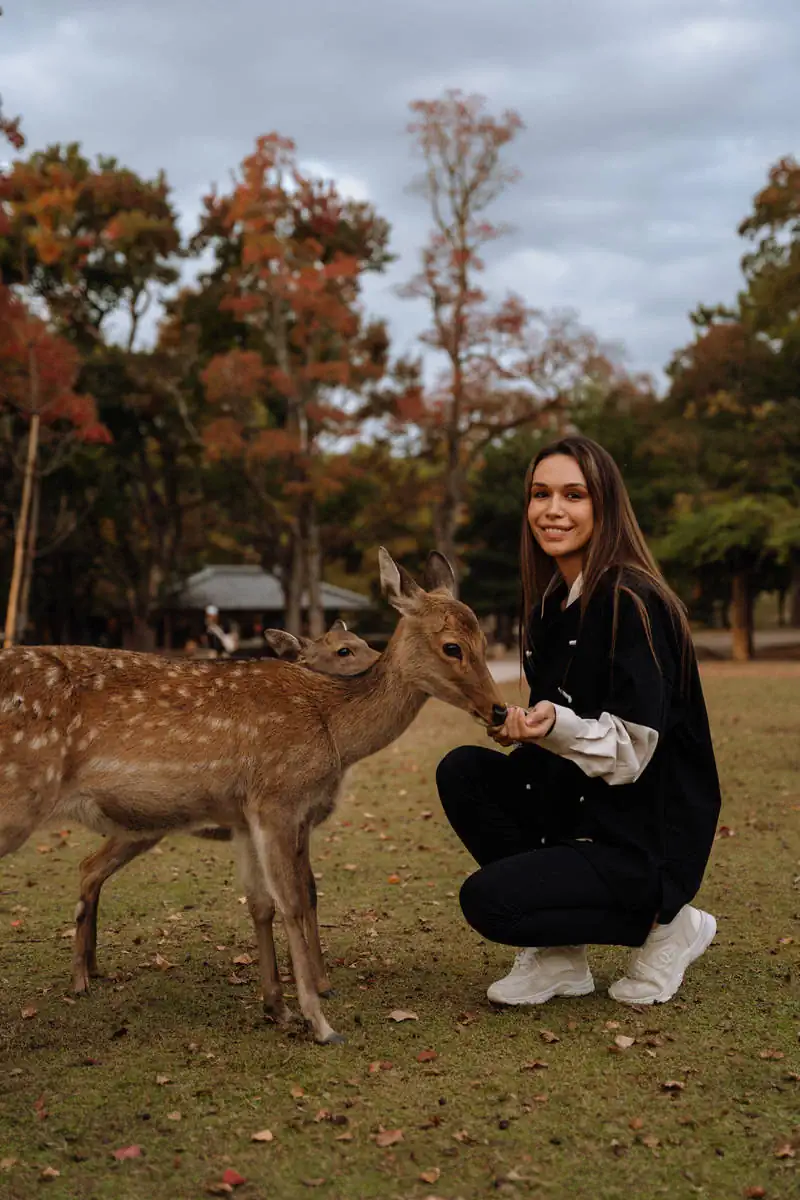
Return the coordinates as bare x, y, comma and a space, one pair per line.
525, 725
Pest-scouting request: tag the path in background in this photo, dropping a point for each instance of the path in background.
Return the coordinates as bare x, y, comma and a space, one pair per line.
717, 642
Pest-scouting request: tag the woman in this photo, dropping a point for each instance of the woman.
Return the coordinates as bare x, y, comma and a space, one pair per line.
598, 826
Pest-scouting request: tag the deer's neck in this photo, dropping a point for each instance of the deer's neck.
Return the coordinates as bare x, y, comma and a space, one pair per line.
368, 713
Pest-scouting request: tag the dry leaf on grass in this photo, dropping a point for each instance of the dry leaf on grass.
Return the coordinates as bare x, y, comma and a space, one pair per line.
548, 1036
162, 963
672, 1085
313, 1183
535, 1064
624, 1042
127, 1152
7, 1163
233, 1178
785, 1150
174, 1116
242, 960
756, 1192
650, 1140
393, 879
298, 1092
462, 1136
774, 1054
375, 1067
161, 1080
49, 1173
29, 1011
636, 1123
426, 1056
388, 1137
263, 1135
429, 1176
401, 1014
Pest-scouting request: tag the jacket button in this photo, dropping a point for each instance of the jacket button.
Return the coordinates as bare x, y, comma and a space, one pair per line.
543, 841
527, 787
581, 800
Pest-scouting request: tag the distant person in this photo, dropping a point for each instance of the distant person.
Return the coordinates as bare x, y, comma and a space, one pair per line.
223, 641
597, 828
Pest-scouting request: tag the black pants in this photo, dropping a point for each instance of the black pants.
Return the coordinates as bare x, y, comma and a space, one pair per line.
527, 893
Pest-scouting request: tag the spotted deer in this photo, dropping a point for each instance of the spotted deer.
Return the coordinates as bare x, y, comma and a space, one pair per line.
337, 652
134, 746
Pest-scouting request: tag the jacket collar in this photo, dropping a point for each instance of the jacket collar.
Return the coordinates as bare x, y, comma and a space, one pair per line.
573, 594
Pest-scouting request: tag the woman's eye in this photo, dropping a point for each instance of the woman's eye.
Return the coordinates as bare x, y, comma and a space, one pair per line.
452, 650
343, 652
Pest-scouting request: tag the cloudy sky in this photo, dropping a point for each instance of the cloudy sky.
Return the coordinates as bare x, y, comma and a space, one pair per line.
649, 123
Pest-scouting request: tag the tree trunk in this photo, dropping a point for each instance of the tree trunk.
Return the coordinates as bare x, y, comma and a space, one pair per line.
21, 535
794, 602
142, 636
741, 618
316, 613
23, 613
293, 584
446, 517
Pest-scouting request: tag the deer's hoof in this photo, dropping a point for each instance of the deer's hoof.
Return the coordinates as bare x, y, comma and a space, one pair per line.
332, 1039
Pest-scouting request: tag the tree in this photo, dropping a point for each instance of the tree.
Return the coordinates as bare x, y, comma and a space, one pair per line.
508, 365
38, 372
86, 240
292, 253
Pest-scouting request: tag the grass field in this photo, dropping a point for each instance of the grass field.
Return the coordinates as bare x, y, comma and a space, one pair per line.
170, 1053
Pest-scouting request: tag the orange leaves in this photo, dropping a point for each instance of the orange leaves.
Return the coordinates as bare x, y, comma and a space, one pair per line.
232, 376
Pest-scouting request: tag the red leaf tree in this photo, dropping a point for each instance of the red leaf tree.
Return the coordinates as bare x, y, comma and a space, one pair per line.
293, 253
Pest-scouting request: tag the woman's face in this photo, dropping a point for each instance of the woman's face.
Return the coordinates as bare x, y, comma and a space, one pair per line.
560, 512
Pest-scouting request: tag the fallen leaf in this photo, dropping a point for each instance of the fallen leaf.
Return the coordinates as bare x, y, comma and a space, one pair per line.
263, 1135
785, 941
535, 1064
548, 1036
318, 1182
127, 1152
242, 960
324, 1114
237, 980
427, 1056
162, 963
7, 1163
636, 1123
792, 1077
40, 1108
344, 1137
672, 1085
624, 1042
755, 1193
429, 1176
29, 1011
49, 1173
466, 1018
388, 1137
174, 1116
542, 1099
375, 1067
400, 1014
162, 1079
725, 831
651, 1141
393, 879
462, 1136
219, 1189
612, 1025
233, 1177
297, 1092
774, 1054
350, 867
785, 1150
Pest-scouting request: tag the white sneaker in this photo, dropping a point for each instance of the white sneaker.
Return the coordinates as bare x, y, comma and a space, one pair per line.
538, 975
656, 969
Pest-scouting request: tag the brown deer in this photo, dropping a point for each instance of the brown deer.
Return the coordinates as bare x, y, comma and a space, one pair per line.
337, 652
135, 746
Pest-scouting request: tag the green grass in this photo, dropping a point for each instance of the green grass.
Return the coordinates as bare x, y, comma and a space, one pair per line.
592, 1123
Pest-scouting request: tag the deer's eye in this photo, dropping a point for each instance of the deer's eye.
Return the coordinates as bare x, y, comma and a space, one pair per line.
452, 650
343, 652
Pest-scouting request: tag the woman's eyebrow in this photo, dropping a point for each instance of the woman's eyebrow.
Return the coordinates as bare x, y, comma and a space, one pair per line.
566, 486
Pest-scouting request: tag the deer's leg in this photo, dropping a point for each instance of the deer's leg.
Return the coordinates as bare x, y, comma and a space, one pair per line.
311, 926
281, 856
261, 906
95, 870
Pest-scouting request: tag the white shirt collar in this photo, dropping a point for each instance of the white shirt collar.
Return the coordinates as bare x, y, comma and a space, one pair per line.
574, 592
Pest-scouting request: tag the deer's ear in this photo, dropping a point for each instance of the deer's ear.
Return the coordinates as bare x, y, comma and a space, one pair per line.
284, 644
338, 626
439, 573
397, 585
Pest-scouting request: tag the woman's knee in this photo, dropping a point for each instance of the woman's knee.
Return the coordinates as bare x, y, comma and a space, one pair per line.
462, 770
478, 899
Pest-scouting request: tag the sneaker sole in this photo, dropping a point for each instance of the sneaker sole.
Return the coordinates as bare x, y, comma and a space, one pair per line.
558, 989
703, 939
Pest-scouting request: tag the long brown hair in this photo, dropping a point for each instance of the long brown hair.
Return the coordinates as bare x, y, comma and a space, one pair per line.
617, 543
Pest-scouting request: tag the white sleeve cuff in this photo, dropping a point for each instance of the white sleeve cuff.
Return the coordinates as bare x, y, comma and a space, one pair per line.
605, 747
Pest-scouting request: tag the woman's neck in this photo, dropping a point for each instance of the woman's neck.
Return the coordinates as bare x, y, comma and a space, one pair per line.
570, 568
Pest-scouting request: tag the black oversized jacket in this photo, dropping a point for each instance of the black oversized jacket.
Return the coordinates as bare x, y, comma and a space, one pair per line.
650, 838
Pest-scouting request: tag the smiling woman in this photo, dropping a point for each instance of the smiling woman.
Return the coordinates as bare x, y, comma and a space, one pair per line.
598, 826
